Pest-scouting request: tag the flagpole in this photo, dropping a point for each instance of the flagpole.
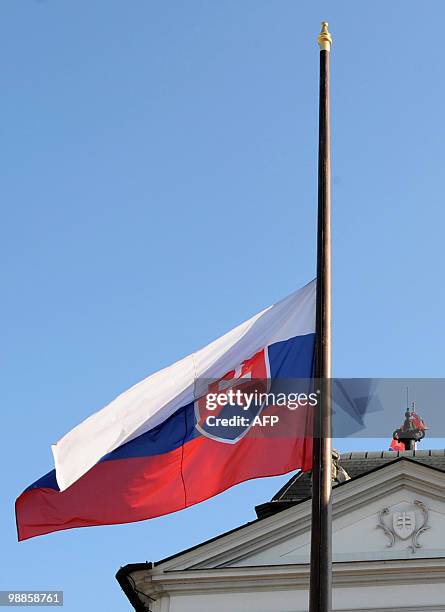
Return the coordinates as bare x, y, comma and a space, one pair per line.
320, 596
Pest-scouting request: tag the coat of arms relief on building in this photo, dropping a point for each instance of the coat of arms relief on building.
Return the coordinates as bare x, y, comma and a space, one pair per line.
405, 521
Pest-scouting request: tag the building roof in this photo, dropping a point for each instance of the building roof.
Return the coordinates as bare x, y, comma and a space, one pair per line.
298, 488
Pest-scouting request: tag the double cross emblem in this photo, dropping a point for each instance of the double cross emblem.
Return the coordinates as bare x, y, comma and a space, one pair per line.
409, 522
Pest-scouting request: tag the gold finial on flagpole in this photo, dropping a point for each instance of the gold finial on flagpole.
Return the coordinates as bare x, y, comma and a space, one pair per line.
324, 38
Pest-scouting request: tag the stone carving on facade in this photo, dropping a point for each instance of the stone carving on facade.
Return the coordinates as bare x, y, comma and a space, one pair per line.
339, 474
407, 522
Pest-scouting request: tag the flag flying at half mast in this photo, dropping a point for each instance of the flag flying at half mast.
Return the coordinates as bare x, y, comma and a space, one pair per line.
149, 453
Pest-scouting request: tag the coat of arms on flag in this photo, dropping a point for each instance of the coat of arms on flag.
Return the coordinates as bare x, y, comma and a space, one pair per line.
226, 408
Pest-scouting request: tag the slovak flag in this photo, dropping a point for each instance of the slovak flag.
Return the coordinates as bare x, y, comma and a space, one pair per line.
151, 451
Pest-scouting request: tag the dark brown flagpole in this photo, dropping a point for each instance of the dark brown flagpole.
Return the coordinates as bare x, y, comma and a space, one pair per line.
320, 596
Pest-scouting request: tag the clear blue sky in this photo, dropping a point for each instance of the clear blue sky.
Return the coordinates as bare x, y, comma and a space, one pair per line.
158, 172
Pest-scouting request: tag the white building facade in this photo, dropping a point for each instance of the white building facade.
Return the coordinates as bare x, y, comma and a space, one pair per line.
388, 547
